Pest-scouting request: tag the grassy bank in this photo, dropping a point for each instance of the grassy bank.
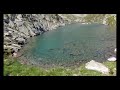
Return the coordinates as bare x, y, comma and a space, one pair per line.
13, 68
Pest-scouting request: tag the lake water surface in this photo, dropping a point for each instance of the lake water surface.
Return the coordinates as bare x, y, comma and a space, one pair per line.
71, 45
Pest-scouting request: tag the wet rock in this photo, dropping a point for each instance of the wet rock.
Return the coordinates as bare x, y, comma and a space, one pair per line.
93, 65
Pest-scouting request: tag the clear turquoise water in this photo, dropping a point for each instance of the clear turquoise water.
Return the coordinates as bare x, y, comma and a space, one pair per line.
70, 45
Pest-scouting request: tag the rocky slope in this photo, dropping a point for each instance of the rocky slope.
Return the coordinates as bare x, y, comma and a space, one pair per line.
19, 27
107, 19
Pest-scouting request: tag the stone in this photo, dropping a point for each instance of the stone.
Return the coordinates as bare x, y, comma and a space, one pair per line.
20, 40
115, 50
114, 71
14, 54
11, 24
7, 39
6, 34
93, 65
112, 59
16, 45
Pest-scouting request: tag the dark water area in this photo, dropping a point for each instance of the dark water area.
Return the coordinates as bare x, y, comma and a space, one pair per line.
71, 45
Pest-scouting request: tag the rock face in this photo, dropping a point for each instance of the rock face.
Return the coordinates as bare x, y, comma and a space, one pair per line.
93, 65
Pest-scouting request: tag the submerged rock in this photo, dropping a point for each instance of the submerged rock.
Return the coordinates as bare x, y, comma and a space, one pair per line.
112, 59
93, 65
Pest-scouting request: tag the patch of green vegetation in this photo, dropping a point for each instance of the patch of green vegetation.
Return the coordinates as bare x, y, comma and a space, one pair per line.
13, 68
111, 66
111, 21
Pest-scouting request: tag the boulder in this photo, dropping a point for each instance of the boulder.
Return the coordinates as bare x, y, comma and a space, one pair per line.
112, 59
93, 65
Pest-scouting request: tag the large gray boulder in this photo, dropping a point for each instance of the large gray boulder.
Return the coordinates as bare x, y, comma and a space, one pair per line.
93, 65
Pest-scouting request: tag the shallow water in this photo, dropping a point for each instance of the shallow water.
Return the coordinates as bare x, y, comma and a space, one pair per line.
70, 45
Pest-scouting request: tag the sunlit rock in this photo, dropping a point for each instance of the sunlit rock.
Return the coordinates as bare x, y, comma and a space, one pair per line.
14, 54
93, 65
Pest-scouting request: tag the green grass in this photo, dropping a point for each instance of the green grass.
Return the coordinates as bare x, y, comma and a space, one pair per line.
13, 68
111, 66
